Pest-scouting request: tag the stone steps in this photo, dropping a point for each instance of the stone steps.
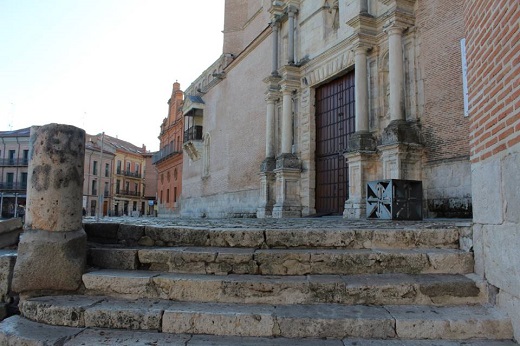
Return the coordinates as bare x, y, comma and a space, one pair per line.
260, 320
315, 282
223, 261
379, 289
336, 233
20, 331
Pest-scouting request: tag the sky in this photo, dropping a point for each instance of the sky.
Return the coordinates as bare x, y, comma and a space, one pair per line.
102, 65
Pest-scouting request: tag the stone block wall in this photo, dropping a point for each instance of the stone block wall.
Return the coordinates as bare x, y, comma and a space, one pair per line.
493, 55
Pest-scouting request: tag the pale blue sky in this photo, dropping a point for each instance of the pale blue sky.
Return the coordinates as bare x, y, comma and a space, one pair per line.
102, 65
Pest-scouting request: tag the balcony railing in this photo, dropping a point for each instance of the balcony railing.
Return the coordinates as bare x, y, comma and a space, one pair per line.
128, 173
128, 193
9, 186
14, 162
193, 133
164, 154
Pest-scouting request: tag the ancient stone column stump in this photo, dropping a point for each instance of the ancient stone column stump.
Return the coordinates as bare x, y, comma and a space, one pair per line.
52, 249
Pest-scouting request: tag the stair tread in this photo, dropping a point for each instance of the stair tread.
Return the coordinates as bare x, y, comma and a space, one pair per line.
373, 289
294, 321
18, 329
218, 260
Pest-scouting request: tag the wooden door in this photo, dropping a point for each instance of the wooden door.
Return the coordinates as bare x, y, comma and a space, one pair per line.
335, 116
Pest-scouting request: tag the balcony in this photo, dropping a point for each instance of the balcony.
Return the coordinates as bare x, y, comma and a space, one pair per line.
14, 162
128, 193
164, 153
194, 133
129, 174
10, 186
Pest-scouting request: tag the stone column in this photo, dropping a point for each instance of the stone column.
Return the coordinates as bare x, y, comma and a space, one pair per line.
290, 49
288, 166
395, 75
361, 91
363, 6
267, 176
287, 134
275, 27
52, 249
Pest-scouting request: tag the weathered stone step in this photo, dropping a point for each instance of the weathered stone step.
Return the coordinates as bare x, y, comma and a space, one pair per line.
223, 261
290, 321
380, 289
338, 234
19, 331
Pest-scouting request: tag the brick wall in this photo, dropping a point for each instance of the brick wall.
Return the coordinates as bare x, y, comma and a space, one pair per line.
493, 49
440, 26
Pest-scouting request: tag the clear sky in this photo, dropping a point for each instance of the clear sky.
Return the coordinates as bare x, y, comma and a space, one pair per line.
102, 65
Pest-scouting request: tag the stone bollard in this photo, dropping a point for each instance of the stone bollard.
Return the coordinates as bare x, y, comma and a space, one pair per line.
52, 249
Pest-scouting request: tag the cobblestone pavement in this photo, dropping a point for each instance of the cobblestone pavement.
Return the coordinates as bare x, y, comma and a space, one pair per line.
336, 222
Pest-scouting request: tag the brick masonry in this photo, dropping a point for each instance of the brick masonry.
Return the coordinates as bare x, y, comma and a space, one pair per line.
493, 58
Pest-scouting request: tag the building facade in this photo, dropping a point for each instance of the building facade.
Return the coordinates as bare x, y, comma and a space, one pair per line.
128, 178
311, 100
14, 162
98, 176
168, 160
493, 75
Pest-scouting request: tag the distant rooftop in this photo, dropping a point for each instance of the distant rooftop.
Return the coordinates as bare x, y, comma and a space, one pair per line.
26, 132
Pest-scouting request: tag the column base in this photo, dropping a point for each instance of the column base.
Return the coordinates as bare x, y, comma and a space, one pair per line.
401, 131
288, 173
355, 209
50, 261
267, 188
361, 142
280, 212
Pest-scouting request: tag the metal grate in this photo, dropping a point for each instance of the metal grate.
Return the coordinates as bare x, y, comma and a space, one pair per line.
394, 199
335, 121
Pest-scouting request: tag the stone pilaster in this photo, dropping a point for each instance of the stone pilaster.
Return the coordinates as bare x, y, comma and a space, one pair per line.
402, 161
362, 168
288, 171
288, 165
52, 249
267, 176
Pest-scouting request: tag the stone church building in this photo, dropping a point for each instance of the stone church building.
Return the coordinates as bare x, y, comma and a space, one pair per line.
310, 100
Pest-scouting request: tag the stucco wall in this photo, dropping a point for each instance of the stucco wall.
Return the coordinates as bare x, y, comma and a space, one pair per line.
234, 119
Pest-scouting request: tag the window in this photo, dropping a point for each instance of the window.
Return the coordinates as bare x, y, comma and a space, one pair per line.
167, 195
10, 180
94, 187
12, 154
25, 157
118, 185
161, 199
128, 167
24, 180
136, 187
106, 189
94, 168
107, 169
137, 169
175, 194
127, 187
118, 167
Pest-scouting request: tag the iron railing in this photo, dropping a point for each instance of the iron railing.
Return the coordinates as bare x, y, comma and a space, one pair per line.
14, 162
11, 186
164, 154
193, 133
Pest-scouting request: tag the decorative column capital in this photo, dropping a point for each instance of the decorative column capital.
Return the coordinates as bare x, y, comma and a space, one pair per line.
395, 29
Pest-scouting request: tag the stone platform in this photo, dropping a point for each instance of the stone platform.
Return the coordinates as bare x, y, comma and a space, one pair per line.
324, 281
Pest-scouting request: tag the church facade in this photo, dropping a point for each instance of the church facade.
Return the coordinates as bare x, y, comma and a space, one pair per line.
311, 100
